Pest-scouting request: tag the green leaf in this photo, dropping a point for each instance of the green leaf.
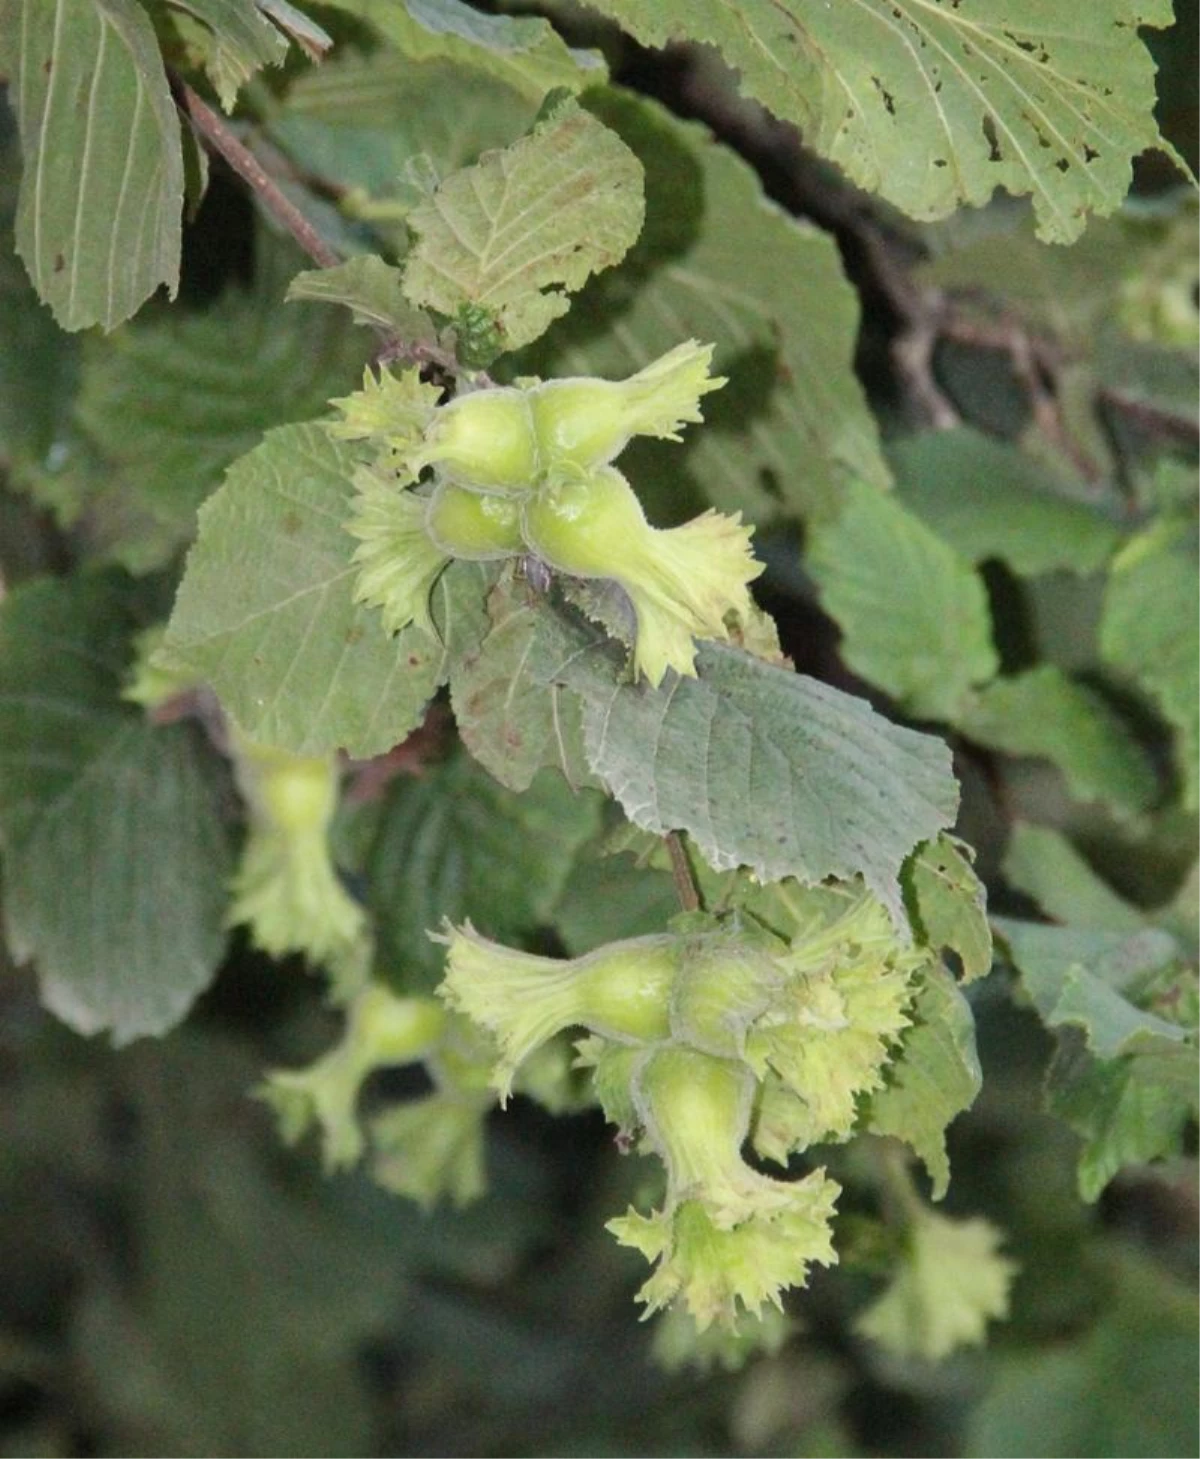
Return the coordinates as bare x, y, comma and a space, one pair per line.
453, 843
265, 612
510, 234
950, 1281
1042, 863
935, 1076
1150, 629
116, 857
1129, 1110
948, 903
371, 290
1089, 978
913, 614
98, 219
38, 362
524, 51
607, 897
988, 500
1043, 712
512, 715
1126, 1389
767, 769
791, 428
165, 407
1034, 98
388, 127
235, 41
306, 33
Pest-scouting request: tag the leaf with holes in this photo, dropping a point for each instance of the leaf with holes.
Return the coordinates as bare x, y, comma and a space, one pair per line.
936, 103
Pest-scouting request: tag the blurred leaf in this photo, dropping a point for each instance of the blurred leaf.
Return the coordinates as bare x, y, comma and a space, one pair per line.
1129, 1110
392, 126
950, 1282
1042, 863
1151, 631
1130, 268
166, 406
235, 40
454, 844
913, 614
791, 428
1043, 712
266, 614
98, 219
934, 1077
371, 290
525, 51
37, 360
987, 499
307, 34
1044, 101
1125, 1390
1091, 978
523, 227
115, 855
609, 897
950, 903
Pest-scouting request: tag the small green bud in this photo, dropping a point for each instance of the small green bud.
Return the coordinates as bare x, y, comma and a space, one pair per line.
296, 793
473, 524
584, 423
484, 440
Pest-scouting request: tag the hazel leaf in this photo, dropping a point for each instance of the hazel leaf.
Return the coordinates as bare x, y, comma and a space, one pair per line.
934, 1077
517, 232
98, 221
266, 610
913, 613
951, 1281
1039, 99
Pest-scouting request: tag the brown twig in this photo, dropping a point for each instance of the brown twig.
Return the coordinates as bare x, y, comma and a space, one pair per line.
1154, 420
222, 141
681, 869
